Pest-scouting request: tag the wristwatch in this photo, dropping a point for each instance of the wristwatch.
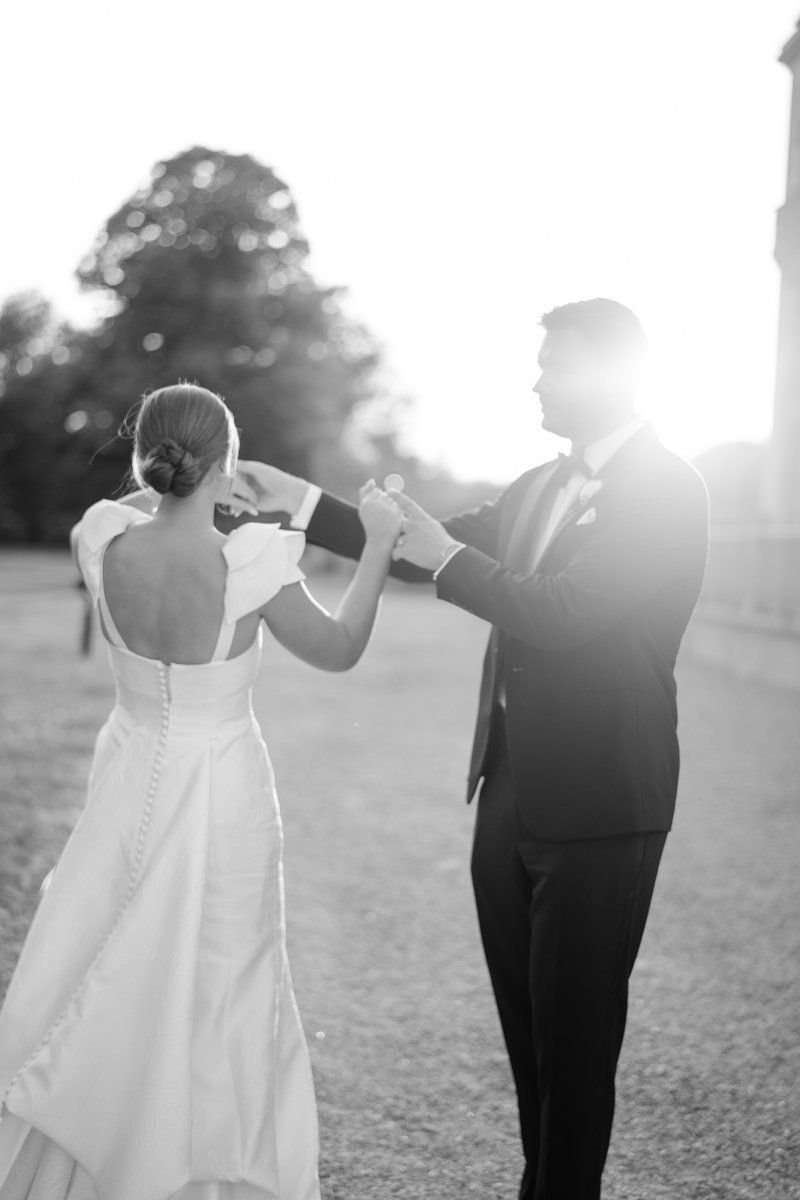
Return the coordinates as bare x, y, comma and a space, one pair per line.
449, 551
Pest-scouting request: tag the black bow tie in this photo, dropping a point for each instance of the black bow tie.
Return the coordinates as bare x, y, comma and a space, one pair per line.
569, 465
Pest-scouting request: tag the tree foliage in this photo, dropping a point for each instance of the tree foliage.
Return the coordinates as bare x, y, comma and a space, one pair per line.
205, 274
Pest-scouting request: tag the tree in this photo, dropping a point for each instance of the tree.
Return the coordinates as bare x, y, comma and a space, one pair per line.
204, 271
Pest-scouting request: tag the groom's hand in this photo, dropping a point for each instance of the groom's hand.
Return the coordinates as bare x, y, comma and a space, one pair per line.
423, 540
268, 488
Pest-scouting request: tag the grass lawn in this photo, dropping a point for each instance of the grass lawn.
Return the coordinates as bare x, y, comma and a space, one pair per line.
414, 1090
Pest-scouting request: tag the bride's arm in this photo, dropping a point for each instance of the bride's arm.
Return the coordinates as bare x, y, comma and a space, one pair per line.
336, 643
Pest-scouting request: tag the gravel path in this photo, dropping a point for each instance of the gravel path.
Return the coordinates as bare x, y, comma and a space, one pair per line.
413, 1085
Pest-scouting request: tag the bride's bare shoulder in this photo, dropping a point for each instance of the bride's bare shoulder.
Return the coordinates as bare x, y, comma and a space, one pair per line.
147, 543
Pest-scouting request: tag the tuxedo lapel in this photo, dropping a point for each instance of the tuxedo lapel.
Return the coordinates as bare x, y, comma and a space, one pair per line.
569, 517
623, 462
516, 533
515, 522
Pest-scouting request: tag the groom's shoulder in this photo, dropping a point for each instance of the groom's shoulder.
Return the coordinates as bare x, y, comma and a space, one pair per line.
516, 489
655, 480
527, 477
670, 470
645, 463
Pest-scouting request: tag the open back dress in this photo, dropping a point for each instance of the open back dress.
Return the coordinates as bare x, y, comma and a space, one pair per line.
150, 1044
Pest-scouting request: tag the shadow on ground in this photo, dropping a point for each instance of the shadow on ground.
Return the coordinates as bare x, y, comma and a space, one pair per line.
414, 1090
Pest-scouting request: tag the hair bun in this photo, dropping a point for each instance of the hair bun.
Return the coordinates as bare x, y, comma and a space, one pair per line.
182, 432
170, 468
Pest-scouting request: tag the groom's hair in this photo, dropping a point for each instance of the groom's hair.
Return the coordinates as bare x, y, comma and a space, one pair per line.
611, 327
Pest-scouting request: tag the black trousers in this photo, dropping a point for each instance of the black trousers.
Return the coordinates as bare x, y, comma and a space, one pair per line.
561, 924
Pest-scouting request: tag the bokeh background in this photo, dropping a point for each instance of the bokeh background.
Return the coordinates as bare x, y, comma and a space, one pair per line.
347, 217
439, 174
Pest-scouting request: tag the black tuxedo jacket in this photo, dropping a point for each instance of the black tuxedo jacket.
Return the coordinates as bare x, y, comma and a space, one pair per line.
589, 641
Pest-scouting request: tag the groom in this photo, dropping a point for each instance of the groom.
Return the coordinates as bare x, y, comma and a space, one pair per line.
588, 569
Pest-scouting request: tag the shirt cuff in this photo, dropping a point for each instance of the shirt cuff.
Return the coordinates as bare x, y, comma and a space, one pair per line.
305, 512
452, 551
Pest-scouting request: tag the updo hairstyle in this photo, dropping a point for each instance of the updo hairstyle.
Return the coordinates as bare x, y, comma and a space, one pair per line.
181, 432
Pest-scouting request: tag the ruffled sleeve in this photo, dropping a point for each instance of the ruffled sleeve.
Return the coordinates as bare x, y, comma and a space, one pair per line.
261, 560
98, 526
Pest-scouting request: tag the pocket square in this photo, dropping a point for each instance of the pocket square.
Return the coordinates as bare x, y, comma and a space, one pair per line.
587, 518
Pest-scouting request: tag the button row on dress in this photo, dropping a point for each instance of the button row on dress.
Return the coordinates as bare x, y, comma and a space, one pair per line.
165, 694
154, 777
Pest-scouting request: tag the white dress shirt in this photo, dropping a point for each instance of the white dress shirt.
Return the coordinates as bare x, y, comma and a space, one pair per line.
305, 512
595, 455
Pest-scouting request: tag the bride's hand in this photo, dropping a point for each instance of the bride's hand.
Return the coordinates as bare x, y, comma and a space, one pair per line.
381, 517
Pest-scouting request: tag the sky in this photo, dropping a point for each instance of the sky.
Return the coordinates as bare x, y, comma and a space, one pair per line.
461, 166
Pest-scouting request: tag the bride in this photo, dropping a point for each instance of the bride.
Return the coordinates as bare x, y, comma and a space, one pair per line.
150, 1044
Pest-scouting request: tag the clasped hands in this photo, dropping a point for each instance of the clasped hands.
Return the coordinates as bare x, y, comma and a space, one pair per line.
422, 540
259, 487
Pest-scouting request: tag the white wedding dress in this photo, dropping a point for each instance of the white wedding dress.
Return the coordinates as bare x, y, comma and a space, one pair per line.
150, 1044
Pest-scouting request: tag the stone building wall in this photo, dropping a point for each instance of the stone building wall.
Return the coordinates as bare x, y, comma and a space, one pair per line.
748, 618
